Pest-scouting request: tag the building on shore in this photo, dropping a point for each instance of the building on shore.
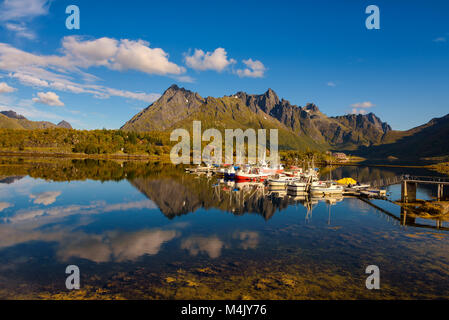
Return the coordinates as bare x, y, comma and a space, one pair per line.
340, 156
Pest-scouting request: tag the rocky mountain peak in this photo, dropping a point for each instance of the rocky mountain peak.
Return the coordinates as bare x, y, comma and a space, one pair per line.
64, 124
180, 96
364, 120
12, 114
311, 107
270, 99
265, 102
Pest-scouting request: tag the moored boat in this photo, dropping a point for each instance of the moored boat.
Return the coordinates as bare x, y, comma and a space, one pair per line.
322, 188
297, 187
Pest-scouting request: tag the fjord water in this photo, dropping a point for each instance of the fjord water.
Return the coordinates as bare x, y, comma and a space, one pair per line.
150, 231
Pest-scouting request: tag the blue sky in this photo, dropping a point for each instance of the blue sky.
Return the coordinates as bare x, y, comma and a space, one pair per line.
127, 53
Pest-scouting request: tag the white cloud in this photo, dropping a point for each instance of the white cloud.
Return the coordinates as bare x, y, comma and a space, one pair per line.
30, 80
120, 55
49, 98
331, 84
5, 88
250, 239
358, 111
113, 246
15, 14
45, 198
5, 205
187, 79
151, 97
21, 30
98, 52
137, 55
57, 72
210, 245
97, 207
23, 9
360, 107
440, 39
366, 104
130, 246
255, 69
216, 60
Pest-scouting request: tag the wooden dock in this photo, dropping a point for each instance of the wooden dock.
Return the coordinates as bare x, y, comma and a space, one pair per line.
410, 183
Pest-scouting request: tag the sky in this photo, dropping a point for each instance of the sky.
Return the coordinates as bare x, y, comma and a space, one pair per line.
127, 53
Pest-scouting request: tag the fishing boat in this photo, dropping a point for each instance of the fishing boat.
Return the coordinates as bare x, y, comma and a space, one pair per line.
242, 176
200, 169
294, 172
271, 170
297, 187
229, 173
322, 188
280, 180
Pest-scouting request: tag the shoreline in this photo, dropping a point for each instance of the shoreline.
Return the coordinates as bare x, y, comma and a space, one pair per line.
138, 157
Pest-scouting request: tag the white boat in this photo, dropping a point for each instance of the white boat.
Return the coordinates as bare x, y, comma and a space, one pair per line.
280, 180
297, 187
326, 188
360, 186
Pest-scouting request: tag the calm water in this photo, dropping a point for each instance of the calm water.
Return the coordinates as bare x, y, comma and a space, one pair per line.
147, 230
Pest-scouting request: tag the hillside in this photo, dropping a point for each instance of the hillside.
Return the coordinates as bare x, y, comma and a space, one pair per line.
11, 120
299, 127
426, 141
177, 108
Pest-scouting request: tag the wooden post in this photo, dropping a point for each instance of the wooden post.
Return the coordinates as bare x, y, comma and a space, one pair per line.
439, 192
404, 191
408, 191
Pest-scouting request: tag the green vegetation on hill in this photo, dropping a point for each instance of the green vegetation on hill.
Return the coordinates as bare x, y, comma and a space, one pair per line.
58, 140
430, 140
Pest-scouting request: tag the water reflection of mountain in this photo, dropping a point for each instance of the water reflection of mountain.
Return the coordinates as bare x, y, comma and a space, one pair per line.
10, 179
176, 196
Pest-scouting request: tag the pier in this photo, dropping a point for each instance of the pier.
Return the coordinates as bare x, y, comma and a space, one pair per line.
410, 183
405, 219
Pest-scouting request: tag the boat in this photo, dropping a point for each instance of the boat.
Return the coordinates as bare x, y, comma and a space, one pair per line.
271, 170
360, 186
297, 187
294, 172
322, 188
280, 180
229, 173
242, 176
200, 169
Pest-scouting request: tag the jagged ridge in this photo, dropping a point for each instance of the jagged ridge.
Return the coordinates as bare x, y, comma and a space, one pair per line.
301, 126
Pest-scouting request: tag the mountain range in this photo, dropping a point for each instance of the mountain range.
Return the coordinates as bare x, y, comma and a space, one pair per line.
299, 127
12, 120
